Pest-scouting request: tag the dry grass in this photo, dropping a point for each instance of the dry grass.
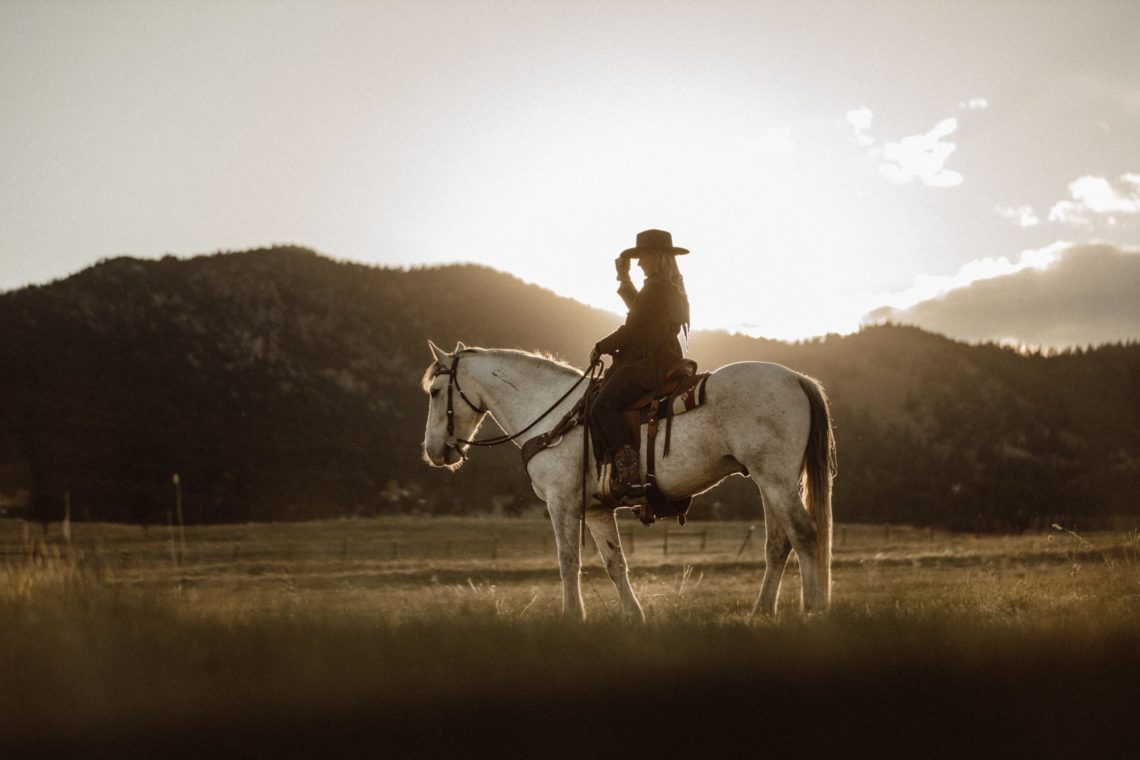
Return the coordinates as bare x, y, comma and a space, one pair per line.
429, 637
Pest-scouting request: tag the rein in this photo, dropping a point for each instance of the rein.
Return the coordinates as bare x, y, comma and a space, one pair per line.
453, 385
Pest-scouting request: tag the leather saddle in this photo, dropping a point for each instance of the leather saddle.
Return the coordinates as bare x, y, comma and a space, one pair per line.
681, 372
683, 390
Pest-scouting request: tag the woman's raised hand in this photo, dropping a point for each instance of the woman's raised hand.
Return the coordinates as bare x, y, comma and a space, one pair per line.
621, 263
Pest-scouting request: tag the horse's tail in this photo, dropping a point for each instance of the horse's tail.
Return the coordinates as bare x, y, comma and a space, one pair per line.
817, 472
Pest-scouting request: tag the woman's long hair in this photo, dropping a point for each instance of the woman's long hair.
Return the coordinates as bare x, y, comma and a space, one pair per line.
667, 267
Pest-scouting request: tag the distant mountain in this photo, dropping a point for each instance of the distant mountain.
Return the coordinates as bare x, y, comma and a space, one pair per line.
280, 384
1086, 296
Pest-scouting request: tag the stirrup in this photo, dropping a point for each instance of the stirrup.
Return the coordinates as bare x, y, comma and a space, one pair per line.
608, 493
644, 513
634, 496
613, 496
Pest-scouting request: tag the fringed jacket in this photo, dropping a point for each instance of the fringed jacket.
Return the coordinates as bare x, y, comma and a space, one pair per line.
648, 341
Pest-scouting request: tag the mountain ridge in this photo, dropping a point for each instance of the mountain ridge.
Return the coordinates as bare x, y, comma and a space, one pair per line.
281, 384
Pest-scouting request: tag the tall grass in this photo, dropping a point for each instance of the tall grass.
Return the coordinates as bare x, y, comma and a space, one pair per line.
350, 656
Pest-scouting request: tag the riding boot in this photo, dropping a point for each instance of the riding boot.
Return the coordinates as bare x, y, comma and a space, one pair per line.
628, 470
605, 483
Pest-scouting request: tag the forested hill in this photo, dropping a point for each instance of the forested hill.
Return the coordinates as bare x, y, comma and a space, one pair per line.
280, 384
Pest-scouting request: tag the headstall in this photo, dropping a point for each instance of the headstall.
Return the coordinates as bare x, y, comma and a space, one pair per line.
453, 385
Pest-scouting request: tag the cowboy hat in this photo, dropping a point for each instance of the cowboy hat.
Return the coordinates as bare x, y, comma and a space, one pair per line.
652, 242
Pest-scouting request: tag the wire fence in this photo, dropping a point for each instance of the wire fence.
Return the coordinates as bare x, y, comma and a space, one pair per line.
402, 540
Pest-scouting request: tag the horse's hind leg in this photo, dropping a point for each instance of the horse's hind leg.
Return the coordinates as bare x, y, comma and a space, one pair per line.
777, 547
603, 527
567, 523
782, 500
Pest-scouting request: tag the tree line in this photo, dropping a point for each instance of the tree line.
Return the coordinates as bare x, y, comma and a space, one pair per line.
280, 384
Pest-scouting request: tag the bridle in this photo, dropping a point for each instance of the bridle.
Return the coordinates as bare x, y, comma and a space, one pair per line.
592, 374
453, 386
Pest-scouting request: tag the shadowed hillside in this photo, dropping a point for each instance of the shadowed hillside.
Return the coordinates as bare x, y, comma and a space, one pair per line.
931, 431
280, 384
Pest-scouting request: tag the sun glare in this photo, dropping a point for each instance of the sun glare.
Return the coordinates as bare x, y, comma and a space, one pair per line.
773, 225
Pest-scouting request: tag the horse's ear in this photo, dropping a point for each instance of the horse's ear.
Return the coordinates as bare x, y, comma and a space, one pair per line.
459, 346
439, 354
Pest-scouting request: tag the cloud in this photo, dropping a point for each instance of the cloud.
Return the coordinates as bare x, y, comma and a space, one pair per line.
926, 287
1096, 196
922, 157
1057, 297
1068, 212
860, 121
974, 104
1025, 216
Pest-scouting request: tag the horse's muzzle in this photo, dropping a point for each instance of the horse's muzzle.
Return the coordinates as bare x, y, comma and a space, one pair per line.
453, 451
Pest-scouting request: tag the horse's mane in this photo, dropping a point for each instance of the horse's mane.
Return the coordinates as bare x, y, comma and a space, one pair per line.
544, 357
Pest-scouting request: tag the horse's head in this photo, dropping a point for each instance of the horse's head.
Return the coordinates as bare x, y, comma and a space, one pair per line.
452, 414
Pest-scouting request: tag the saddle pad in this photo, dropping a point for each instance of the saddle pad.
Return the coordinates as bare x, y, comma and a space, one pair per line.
688, 396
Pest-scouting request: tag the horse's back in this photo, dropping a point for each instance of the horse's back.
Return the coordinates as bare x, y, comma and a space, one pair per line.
769, 369
755, 379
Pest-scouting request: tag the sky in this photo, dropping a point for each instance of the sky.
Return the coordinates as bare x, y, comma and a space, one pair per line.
823, 161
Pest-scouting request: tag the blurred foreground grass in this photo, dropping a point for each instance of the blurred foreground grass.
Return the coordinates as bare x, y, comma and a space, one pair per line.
403, 637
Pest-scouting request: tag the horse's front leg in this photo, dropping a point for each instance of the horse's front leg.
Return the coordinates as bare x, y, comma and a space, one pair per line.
603, 527
567, 521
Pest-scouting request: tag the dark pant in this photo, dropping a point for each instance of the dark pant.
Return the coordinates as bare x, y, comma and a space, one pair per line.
619, 391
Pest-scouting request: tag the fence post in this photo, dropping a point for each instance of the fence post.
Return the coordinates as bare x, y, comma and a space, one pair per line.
181, 523
665, 544
704, 538
67, 521
747, 538
170, 533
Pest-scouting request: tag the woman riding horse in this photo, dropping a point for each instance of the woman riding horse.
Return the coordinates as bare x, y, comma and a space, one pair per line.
643, 350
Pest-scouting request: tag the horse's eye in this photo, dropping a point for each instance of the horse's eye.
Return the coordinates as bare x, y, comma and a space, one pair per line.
434, 392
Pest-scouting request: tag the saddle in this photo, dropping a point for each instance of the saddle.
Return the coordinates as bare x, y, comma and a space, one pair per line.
682, 391
680, 382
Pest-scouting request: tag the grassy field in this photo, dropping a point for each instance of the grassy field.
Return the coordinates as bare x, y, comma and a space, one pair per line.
435, 637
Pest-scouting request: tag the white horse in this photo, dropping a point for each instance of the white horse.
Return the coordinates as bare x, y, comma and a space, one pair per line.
760, 419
